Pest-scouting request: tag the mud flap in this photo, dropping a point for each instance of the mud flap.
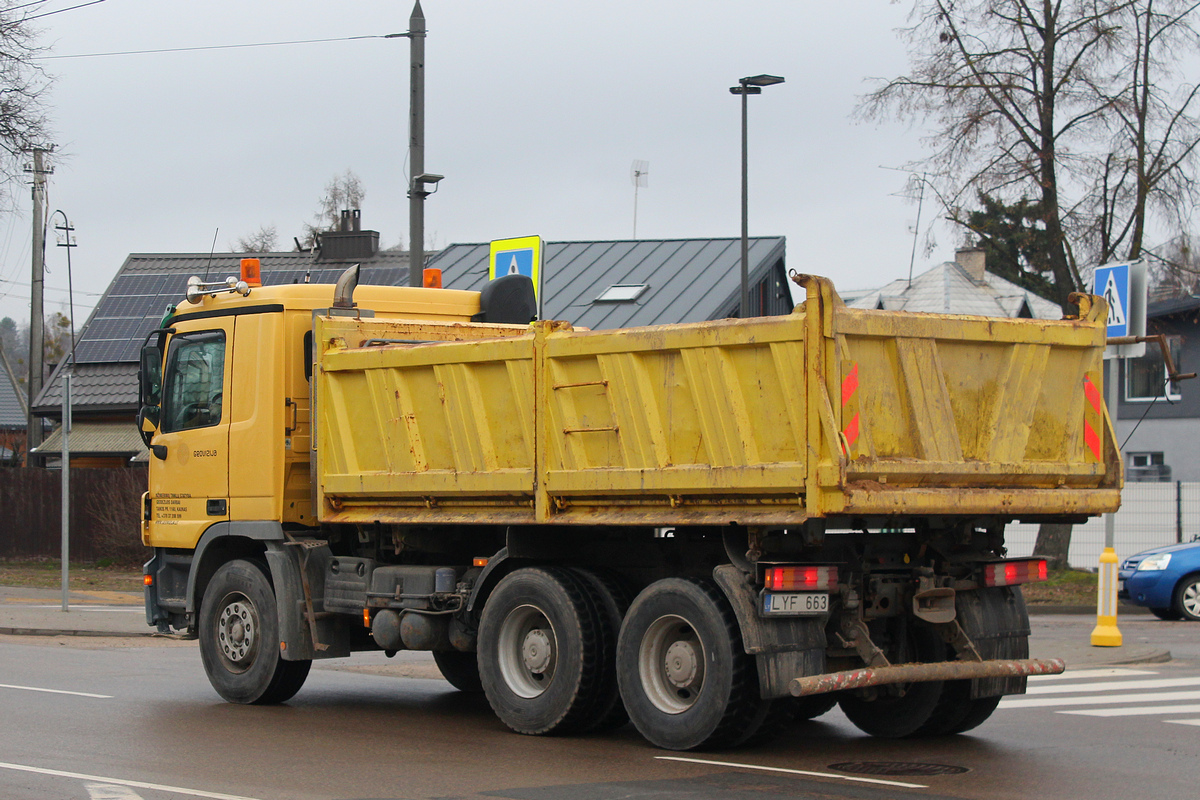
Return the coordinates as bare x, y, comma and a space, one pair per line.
785, 647
295, 634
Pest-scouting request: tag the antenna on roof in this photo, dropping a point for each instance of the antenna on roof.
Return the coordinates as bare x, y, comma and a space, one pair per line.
639, 174
211, 250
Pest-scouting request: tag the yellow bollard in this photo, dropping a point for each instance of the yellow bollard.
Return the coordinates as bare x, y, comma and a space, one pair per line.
1105, 634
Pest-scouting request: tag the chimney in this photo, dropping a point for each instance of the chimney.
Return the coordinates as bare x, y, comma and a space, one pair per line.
350, 242
973, 261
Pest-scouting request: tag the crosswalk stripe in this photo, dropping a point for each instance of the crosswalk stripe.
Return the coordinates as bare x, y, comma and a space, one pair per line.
1107, 686
1195, 722
1077, 674
1108, 699
1139, 711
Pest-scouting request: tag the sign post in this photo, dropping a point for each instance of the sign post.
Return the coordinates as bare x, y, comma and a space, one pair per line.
1123, 287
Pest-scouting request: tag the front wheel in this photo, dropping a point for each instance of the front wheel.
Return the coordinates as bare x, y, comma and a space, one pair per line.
685, 677
1187, 598
239, 638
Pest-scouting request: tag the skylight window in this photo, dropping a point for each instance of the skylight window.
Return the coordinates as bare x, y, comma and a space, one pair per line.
622, 293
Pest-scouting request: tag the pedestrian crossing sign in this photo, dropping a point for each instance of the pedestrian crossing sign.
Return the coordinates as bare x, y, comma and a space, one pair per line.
519, 256
1112, 283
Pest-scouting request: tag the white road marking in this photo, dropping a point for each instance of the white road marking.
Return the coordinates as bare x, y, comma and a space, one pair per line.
1195, 722
118, 782
1076, 674
794, 772
55, 691
1140, 711
108, 791
1107, 699
1107, 686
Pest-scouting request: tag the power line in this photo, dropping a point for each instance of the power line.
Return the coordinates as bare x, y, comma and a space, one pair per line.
216, 46
61, 10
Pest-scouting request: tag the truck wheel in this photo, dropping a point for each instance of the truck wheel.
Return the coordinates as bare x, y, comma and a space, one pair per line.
239, 638
956, 711
461, 670
685, 678
538, 651
1187, 597
611, 598
898, 710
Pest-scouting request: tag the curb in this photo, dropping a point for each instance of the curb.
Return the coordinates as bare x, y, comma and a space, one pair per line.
1044, 608
58, 632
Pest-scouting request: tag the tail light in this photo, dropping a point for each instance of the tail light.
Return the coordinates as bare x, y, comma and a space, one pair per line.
1011, 573
800, 579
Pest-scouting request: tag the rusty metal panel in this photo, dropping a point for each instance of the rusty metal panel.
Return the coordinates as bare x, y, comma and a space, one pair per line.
701, 421
424, 423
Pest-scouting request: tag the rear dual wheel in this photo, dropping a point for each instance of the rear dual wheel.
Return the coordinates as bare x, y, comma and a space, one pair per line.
685, 677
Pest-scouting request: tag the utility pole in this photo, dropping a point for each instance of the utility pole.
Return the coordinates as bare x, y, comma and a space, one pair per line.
416, 146
37, 328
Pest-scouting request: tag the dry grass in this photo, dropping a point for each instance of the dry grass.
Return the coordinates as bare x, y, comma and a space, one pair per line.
47, 574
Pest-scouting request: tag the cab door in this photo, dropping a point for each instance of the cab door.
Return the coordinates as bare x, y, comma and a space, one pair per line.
189, 473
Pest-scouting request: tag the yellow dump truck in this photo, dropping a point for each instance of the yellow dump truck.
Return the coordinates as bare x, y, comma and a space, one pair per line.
707, 529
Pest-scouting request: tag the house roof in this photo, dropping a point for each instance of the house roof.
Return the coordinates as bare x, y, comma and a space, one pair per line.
148, 284
11, 415
686, 280
948, 289
1176, 305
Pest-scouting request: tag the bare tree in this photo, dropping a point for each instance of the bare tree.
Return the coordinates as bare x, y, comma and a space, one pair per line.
263, 240
1064, 103
343, 192
23, 83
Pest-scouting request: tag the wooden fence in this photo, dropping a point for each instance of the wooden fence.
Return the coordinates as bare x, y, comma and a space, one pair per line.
105, 513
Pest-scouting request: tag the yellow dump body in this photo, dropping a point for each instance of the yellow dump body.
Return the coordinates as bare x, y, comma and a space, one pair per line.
826, 412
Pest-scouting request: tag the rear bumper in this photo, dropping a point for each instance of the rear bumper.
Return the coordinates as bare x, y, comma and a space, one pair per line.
915, 673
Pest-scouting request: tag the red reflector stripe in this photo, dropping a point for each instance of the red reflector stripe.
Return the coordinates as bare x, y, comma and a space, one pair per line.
1091, 439
852, 430
850, 384
1092, 394
1012, 573
800, 579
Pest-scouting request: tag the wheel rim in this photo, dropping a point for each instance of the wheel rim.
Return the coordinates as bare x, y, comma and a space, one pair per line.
671, 662
1191, 599
528, 651
237, 632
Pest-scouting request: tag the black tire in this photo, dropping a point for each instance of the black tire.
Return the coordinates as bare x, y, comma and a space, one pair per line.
894, 711
1168, 614
1186, 600
812, 706
239, 638
461, 670
611, 598
539, 653
956, 711
685, 678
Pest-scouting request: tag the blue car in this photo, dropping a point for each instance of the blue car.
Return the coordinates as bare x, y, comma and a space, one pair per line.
1166, 580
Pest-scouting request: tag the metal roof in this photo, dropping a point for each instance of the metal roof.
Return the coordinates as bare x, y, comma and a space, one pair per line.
948, 289
11, 416
148, 284
687, 280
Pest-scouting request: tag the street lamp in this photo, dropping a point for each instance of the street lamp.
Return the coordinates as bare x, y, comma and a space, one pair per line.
748, 86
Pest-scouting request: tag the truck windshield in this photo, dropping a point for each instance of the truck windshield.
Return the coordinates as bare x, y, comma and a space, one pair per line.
193, 384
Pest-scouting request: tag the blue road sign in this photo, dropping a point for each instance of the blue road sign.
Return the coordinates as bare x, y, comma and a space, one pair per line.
1112, 283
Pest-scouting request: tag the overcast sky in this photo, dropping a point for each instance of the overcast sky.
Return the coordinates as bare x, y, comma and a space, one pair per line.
535, 111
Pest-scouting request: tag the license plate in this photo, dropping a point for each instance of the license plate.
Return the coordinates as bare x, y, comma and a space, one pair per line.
795, 604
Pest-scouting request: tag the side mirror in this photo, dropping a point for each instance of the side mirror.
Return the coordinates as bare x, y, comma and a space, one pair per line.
147, 422
150, 376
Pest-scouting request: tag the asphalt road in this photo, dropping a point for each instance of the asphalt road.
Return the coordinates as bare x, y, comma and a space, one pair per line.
101, 719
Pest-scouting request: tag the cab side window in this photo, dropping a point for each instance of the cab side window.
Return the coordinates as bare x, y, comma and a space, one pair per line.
193, 387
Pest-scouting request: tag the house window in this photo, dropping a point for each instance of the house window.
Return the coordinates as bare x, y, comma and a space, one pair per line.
1146, 377
1148, 467
621, 293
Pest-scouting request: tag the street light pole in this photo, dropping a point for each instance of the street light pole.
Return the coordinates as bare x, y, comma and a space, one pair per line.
416, 146
748, 86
